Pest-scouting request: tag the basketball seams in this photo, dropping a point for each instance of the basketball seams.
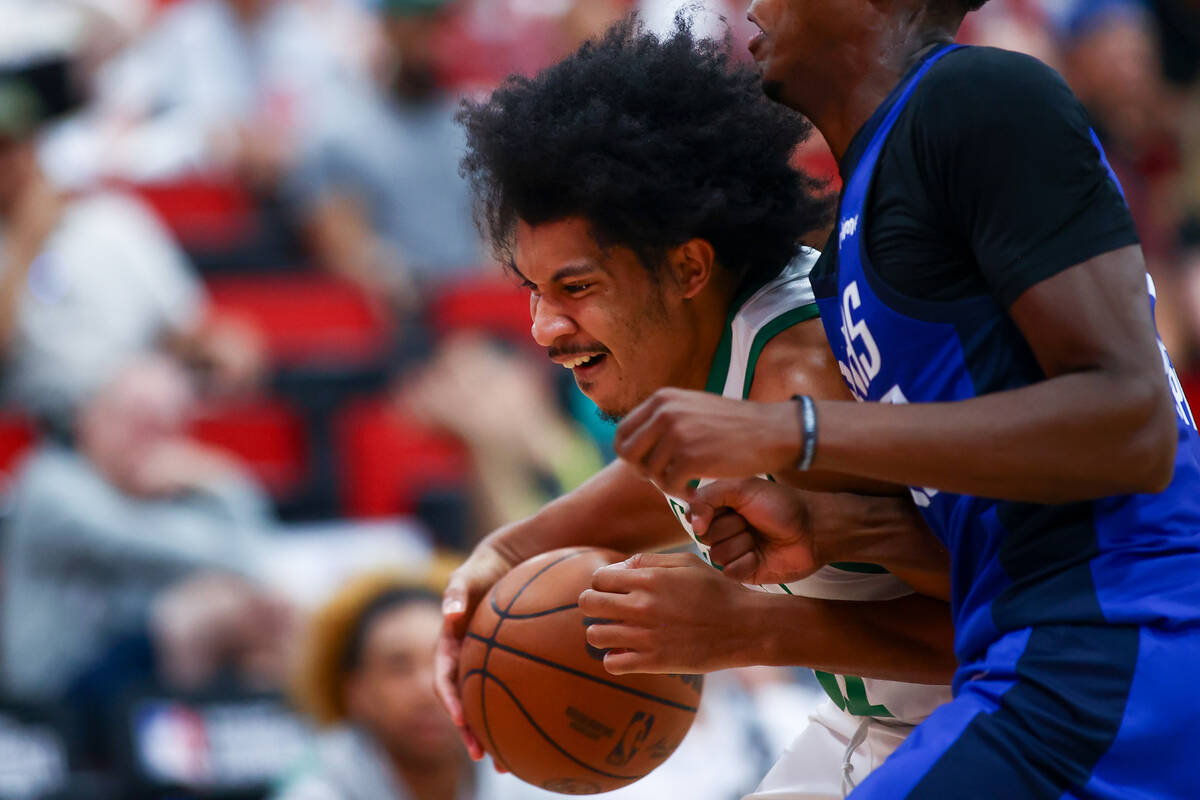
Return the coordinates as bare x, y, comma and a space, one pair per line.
492, 643
485, 677
506, 615
508, 663
503, 615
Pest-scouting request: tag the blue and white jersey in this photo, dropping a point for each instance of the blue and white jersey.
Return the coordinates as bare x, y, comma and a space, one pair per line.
1127, 559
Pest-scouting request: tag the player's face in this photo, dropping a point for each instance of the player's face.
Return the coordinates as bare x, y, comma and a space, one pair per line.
795, 42
391, 693
601, 314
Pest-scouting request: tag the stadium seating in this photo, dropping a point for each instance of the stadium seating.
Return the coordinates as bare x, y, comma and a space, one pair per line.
387, 461
307, 318
266, 434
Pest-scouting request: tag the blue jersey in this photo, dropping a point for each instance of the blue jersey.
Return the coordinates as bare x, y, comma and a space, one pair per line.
1128, 559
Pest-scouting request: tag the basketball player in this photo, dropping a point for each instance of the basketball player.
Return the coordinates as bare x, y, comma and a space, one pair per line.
641, 190
985, 289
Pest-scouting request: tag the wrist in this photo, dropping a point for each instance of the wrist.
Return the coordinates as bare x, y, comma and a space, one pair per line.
773, 640
782, 432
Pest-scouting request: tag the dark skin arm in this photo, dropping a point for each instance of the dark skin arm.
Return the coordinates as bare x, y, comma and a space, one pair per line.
764, 532
652, 597
1101, 424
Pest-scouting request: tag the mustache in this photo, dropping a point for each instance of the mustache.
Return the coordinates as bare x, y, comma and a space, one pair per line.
577, 350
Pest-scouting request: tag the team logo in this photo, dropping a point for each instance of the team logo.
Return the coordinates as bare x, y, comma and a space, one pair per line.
631, 740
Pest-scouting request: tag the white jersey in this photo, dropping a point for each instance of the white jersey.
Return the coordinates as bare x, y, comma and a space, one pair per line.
785, 301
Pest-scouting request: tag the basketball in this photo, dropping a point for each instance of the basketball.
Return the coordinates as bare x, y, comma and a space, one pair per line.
538, 698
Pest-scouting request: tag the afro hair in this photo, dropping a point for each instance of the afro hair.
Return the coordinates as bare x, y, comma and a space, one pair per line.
653, 142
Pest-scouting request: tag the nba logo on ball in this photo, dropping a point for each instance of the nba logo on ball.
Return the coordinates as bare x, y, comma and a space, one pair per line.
538, 697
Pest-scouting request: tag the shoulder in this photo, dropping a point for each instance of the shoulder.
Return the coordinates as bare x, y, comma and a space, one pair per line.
790, 361
972, 72
978, 89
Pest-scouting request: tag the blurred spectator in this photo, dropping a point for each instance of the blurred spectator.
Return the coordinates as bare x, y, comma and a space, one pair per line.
1112, 59
1020, 25
215, 86
209, 632
380, 191
96, 535
367, 676
88, 282
524, 448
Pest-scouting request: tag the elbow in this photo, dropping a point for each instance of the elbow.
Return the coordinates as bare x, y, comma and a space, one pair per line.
1150, 455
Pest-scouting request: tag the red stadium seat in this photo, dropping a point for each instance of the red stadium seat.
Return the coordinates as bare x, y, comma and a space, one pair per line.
203, 213
305, 318
17, 437
494, 305
387, 461
266, 434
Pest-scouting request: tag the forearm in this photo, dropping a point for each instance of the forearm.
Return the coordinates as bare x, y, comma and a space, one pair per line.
1076, 437
909, 639
616, 508
888, 531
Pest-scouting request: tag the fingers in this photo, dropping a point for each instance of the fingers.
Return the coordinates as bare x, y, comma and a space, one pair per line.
634, 572
623, 662
454, 607
661, 561
642, 441
628, 441
614, 636
730, 550
744, 568
604, 605
445, 684
731, 494
725, 524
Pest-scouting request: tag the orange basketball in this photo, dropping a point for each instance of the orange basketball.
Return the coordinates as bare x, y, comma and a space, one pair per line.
537, 695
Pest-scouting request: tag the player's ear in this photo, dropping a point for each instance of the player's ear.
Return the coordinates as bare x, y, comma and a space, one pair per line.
692, 264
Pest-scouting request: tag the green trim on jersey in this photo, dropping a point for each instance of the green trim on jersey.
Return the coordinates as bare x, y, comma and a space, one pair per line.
719, 370
787, 319
720, 364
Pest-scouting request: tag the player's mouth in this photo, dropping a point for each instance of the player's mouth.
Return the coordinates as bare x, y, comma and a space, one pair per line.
584, 366
760, 38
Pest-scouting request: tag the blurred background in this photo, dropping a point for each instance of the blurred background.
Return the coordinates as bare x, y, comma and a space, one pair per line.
262, 384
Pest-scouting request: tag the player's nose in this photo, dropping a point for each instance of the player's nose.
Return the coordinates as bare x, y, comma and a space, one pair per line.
550, 324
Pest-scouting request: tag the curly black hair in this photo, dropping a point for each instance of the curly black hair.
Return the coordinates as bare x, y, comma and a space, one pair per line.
654, 142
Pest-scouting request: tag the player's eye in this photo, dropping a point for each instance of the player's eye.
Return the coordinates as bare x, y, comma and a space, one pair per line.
576, 288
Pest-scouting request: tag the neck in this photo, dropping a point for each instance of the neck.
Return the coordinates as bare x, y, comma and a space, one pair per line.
861, 75
709, 318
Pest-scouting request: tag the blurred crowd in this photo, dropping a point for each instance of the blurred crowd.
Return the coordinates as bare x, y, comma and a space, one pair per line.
262, 380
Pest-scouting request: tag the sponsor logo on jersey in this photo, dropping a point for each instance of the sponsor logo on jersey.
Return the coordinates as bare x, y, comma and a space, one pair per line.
849, 228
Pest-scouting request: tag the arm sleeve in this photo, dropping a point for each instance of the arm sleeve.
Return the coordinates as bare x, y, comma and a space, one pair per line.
1021, 178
